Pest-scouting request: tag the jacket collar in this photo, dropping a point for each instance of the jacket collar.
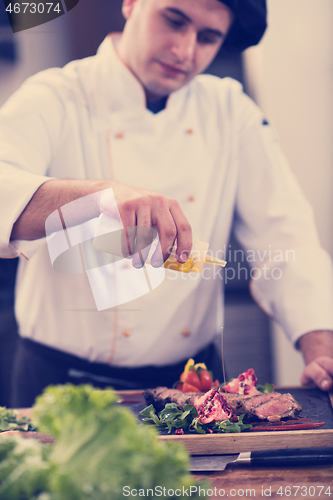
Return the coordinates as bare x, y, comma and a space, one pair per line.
119, 89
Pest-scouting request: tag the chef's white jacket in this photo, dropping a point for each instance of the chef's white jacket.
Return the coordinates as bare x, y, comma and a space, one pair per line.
212, 151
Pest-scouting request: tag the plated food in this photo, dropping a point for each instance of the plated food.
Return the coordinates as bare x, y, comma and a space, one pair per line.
233, 407
12, 421
215, 403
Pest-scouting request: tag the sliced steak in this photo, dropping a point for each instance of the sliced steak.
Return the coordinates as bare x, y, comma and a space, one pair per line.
160, 396
235, 401
275, 409
248, 405
272, 406
153, 395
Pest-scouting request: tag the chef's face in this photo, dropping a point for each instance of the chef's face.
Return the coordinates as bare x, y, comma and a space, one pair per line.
166, 43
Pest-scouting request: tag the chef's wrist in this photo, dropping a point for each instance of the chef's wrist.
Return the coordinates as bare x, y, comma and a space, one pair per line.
315, 344
99, 189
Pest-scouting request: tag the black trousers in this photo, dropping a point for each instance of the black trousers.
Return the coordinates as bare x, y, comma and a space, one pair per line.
8, 342
36, 366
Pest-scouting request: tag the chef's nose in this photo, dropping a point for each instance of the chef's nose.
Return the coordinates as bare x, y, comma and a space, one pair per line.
184, 49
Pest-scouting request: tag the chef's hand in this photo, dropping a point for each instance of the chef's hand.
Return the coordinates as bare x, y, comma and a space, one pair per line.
317, 350
145, 209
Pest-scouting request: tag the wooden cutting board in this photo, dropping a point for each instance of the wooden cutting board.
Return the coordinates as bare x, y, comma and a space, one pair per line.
217, 444
316, 404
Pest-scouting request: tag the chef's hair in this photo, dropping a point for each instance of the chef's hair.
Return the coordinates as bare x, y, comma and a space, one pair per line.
249, 24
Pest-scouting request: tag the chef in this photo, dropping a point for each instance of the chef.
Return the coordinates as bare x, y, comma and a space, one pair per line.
135, 134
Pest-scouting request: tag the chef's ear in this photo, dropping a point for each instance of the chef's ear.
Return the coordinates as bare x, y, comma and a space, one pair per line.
127, 8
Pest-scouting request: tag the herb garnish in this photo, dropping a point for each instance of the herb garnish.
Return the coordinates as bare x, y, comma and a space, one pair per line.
172, 418
9, 421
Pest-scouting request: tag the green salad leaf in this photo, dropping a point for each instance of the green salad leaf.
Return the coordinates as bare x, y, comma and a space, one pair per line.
172, 418
25, 468
264, 389
230, 426
99, 450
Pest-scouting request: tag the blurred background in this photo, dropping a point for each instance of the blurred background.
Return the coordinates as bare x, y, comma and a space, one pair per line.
290, 75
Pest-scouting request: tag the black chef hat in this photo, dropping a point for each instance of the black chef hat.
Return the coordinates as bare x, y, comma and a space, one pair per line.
249, 24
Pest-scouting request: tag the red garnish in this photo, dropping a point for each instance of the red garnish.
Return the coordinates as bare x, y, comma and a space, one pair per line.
212, 406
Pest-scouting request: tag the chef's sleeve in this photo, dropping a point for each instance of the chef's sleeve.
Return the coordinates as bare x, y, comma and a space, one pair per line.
30, 124
291, 275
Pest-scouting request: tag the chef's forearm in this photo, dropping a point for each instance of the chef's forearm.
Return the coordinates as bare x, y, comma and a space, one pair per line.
51, 196
315, 344
132, 205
